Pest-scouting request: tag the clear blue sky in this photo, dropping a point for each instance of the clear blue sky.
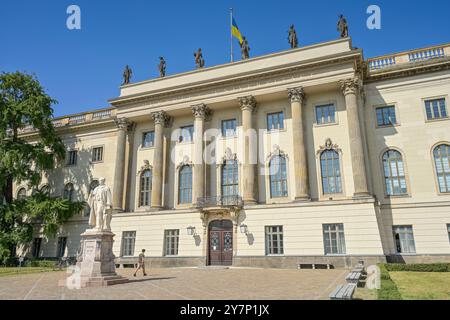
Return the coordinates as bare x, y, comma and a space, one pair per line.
83, 69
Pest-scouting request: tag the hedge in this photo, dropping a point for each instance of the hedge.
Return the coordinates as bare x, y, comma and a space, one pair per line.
388, 290
435, 267
40, 263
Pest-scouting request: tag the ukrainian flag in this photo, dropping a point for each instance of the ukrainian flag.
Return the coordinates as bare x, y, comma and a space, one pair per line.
235, 31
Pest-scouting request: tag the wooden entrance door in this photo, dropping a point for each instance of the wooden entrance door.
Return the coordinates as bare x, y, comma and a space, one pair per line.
221, 243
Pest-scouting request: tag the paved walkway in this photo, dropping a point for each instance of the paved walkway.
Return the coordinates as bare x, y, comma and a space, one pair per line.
184, 284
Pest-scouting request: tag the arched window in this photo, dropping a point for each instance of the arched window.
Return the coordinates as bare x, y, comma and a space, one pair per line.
442, 161
68, 191
278, 177
230, 178
394, 173
21, 194
330, 169
146, 188
185, 185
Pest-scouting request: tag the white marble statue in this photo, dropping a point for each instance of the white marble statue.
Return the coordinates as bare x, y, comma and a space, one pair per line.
100, 202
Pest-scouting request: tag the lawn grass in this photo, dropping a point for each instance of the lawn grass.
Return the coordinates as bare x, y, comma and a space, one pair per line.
422, 285
19, 271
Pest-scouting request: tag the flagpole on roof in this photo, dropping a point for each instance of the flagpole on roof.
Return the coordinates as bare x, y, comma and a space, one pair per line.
231, 32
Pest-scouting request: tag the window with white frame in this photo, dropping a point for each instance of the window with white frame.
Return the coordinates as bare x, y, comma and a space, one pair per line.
278, 177
186, 134
171, 238
230, 179
145, 188
274, 240
148, 139
229, 128
441, 156
128, 241
97, 154
448, 231
72, 156
275, 121
394, 173
386, 116
404, 239
185, 185
334, 238
436, 109
326, 114
330, 169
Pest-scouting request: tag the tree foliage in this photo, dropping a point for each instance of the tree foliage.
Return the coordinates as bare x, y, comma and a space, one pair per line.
24, 104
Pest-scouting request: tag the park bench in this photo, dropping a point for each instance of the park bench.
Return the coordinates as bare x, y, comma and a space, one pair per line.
343, 292
353, 277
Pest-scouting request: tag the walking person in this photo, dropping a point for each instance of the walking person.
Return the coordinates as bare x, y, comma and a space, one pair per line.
141, 263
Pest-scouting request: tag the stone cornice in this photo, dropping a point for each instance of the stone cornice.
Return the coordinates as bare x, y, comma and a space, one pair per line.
260, 75
408, 70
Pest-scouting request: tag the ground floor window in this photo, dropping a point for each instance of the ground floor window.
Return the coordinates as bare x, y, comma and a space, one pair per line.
274, 240
334, 238
128, 241
404, 239
448, 231
171, 238
61, 249
36, 247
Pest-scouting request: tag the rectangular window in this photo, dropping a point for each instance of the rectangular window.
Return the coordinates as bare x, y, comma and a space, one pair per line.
274, 240
386, 116
448, 231
148, 139
326, 114
97, 154
229, 128
186, 134
171, 242
404, 239
61, 249
334, 238
436, 109
275, 121
72, 158
128, 240
36, 247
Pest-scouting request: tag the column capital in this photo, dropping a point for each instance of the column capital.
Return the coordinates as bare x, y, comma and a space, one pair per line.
350, 85
247, 103
201, 111
124, 124
296, 94
160, 117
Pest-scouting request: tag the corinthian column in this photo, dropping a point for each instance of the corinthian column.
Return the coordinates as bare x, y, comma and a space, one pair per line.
119, 173
350, 89
301, 191
161, 120
201, 112
248, 107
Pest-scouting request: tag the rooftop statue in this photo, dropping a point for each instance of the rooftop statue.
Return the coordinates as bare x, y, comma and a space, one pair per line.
293, 41
245, 49
127, 75
342, 26
199, 61
162, 67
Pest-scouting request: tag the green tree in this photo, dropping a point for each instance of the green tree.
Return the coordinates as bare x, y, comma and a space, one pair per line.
24, 103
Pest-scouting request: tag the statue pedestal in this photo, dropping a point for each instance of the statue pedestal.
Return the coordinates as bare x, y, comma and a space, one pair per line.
95, 264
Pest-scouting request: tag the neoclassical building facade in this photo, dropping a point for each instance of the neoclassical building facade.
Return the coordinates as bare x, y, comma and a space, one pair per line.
310, 155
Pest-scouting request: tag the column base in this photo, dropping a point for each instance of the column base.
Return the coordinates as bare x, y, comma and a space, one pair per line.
250, 202
362, 195
155, 209
117, 210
